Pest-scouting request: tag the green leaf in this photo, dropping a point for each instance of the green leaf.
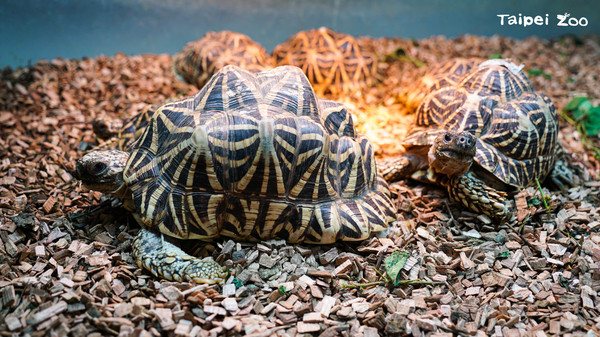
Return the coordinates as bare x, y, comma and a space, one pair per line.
495, 56
575, 102
394, 263
585, 106
534, 202
282, 290
592, 122
537, 72
504, 254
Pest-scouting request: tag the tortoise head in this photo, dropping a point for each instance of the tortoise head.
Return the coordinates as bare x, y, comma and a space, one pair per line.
105, 127
103, 171
452, 153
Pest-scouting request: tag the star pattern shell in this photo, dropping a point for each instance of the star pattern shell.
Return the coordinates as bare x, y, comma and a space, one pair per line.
201, 59
333, 62
516, 127
254, 157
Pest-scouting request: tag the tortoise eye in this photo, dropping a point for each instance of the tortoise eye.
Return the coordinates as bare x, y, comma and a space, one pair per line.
447, 138
98, 168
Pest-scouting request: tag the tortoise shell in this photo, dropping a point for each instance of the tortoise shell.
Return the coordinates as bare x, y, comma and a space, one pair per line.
201, 59
254, 157
516, 127
438, 76
334, 62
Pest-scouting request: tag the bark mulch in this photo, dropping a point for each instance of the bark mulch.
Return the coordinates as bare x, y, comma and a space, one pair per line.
65, 252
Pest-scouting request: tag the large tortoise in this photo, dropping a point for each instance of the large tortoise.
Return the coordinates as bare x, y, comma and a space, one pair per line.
250, 157
334, 62
201, 59
482, 131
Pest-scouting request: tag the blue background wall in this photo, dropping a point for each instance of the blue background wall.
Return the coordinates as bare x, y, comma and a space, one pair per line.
43, 29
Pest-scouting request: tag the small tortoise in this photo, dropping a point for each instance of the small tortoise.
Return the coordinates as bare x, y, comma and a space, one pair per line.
201, 59
483, 132
121, 133
250, 157
334, 62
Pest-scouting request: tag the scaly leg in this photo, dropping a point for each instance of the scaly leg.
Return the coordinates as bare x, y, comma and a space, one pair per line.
561, 175
476, 195
164, 259
394, 169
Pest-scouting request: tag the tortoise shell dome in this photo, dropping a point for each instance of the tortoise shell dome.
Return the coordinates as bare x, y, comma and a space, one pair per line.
257, 156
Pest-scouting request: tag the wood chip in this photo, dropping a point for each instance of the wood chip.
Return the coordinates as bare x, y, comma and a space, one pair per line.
302, 327
67, 267
47, 313
165, 317
211, 309
326, 305
230, 304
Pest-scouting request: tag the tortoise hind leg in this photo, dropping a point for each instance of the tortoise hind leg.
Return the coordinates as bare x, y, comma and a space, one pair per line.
473, 193
164, 259
561, 175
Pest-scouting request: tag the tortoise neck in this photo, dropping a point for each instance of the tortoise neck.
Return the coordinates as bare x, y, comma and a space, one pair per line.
122, 192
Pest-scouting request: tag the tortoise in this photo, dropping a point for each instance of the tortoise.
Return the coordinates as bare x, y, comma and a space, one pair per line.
121, 133
249, 157
201, 59
334, 62
483, 132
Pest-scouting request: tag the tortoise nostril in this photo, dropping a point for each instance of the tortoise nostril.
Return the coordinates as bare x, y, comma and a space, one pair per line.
465, 140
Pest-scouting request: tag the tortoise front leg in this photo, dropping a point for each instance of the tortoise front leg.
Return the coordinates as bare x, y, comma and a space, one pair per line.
479, 197
164, 259
396, 168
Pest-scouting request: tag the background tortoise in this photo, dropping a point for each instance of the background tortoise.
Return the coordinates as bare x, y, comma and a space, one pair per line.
201, 59
334, 62
250, 157
437, 76
483, 132
122, 133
